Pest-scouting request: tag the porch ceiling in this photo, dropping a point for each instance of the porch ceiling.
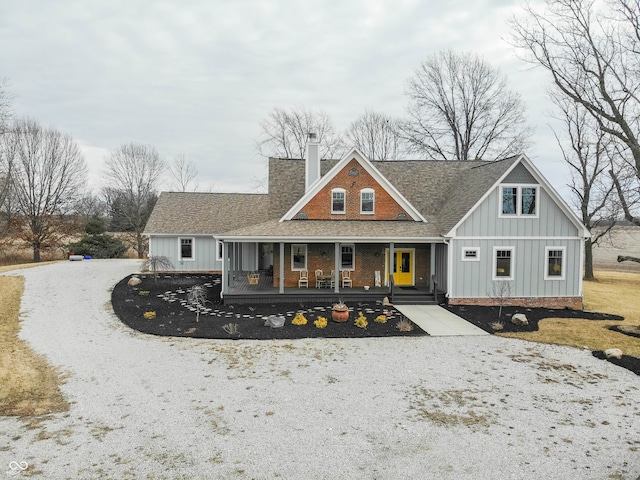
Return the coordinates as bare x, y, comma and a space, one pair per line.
337, 230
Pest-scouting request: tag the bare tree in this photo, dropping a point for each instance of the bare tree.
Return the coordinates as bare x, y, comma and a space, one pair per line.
183, 172
133, 172
284, 133
461, 109
377, 136
6, 164
587, 152
47, 177
591, 51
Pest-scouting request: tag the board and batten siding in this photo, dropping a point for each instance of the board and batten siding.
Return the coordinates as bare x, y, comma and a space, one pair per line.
530, 237
475, 278
485, 221
204, 252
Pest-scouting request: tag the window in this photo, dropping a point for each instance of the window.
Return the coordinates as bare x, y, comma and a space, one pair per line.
470, 254
347, 257
509, 200
519, 201
219, 250
337, 200
503, 263
186, 249
528, 206
298, 257
367, 201
554, 269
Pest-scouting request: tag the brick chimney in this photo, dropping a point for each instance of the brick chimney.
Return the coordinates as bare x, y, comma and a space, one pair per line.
312, 160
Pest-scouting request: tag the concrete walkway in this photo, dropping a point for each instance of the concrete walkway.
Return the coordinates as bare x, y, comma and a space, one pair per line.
437, 321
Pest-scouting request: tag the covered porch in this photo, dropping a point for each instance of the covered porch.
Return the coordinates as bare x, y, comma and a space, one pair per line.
308, 271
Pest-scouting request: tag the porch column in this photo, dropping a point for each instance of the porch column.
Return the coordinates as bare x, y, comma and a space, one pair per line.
225, 268
432, 265
392, 262
336, 272
281, 286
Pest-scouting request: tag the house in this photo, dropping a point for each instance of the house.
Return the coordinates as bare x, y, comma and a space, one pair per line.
478, 232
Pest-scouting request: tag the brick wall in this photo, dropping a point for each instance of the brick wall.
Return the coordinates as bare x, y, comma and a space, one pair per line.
385, 207
574, 303
368, 259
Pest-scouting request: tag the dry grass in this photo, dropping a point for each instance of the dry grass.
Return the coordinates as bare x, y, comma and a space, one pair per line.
613, 292
6, 268
28, 384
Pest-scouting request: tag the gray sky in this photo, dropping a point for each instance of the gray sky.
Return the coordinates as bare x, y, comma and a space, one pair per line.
197, 77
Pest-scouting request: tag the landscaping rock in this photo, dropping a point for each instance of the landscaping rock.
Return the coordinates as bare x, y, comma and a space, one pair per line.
134, 281
386, 302
519, 319
274, 321
613, 353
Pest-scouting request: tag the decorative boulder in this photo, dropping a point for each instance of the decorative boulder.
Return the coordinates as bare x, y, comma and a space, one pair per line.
519, 319
133, 281
613, 353
386, 302
274, 321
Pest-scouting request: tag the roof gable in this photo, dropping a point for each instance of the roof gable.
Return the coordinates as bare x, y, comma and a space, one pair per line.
519, 168
353, 160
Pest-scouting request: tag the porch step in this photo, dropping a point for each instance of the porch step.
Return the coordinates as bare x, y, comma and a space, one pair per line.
413, 299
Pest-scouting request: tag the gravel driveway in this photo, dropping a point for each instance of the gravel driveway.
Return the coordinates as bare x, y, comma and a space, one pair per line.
381, 408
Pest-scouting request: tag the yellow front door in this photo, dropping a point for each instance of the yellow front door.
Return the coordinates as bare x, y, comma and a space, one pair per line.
402, 267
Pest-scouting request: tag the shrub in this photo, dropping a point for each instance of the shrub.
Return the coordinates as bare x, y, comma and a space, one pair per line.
98, 246
299, 319
381, 319
361, 321
149, 315
404, 325
320, 322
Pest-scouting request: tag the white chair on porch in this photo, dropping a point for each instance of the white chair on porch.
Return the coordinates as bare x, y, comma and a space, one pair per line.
320, 282
346, 278
304, 279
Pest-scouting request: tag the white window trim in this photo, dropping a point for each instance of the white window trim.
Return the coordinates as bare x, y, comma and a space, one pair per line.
306, 256
495, 264
470, 249
219, 250
353, 247
519, 187
546, 263
193, 249
344, 204
368, 190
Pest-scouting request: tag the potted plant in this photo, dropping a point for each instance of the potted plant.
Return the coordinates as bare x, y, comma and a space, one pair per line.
340, 312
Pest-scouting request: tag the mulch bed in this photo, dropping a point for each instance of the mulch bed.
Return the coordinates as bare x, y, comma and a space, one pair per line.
166, 296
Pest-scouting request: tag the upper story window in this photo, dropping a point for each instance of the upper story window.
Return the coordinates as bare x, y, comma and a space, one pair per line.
367, 201
519, 201
186, 249
338, 200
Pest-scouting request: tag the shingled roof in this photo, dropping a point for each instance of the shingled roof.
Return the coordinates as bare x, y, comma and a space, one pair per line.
194, 213
442, 191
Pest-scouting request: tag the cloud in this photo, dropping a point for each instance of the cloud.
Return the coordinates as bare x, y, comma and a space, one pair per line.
196, 77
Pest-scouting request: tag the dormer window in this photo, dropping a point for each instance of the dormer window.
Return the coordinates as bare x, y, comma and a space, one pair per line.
519, 201
367, 201
338, 200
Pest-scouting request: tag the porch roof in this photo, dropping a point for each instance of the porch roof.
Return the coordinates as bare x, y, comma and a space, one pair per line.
336, 230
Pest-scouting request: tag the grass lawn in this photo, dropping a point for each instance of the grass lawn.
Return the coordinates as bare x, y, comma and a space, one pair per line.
28, 384
612, 292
